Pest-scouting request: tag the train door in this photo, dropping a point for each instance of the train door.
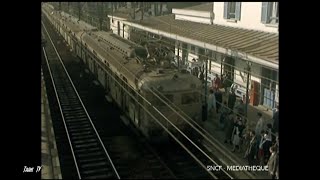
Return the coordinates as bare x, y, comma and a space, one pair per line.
69, 40
85, 55
88, 60
101, 75
124, 96
117, 89
95, 68
64, 34
71, 43
135, 108
107, 80
78, 50
132, 107
91, 65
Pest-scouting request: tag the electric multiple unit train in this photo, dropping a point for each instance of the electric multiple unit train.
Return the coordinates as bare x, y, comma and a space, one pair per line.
132, 79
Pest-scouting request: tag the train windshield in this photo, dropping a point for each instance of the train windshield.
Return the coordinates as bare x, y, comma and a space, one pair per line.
168, 98
189, 98
141, 52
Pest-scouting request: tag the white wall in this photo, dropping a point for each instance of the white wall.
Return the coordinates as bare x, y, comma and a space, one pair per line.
250, 17
126, 32
114, 27
191, 13
193, 19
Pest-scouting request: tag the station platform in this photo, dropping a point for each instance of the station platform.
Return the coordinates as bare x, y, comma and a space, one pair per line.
49, 154
236, 158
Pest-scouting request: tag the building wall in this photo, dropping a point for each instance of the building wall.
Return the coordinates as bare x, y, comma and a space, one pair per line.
250, 17
114, 27
194, 13
193, 19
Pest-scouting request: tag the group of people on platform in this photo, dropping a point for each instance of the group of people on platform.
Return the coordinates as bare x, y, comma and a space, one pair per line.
261, 145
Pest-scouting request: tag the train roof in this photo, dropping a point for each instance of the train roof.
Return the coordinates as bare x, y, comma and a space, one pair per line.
121, 41
132, 68
127, 67
81, 24
171, 82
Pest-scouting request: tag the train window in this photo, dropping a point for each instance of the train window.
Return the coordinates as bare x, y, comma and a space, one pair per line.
189, 98
169, 97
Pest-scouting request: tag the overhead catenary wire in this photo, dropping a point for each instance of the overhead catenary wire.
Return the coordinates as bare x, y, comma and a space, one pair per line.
218, 102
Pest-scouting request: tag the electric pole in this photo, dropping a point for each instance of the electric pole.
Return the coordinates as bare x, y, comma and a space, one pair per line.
247, 92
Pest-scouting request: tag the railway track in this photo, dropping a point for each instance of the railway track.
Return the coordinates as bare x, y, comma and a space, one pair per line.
91, 159
131, 156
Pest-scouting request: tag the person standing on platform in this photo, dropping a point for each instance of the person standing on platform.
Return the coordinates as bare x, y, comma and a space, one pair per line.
273, 163
211, 104
232, 100
266, 146
260, 124
223, 115
276, 120
251, 152
229, 128
216, 82
218, 96
240, 108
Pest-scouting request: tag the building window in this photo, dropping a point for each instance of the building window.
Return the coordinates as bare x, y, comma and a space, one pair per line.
193, 49
232, 10
270, 13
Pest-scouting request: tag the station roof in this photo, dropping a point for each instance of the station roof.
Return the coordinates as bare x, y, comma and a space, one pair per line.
262, 45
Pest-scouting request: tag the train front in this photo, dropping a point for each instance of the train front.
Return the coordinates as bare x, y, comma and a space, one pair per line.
175, 99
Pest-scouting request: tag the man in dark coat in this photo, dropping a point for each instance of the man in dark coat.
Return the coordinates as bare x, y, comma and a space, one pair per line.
232, 100
276, 120
273, 163
252, 148
218, 96
229, 124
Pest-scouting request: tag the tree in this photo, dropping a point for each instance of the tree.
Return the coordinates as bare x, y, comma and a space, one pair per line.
79, 9
155, 6
160, 9
134, 10
142, 10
